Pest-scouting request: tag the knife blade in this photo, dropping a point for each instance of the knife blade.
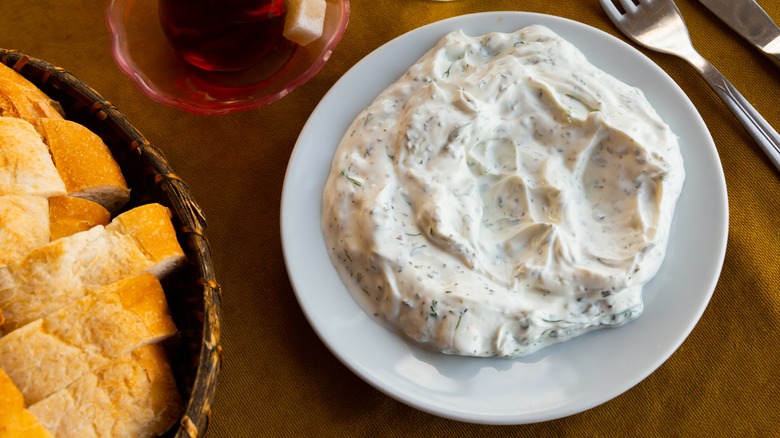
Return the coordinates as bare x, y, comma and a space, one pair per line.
748, 19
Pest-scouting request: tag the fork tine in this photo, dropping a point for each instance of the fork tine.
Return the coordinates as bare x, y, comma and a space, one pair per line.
612, 11
628, 5
658, 25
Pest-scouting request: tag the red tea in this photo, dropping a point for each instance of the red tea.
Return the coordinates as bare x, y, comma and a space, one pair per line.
223, 35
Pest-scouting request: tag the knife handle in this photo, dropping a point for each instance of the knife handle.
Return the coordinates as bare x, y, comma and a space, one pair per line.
761, 131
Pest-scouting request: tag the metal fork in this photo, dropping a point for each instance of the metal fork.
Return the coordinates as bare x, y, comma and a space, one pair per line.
658, 25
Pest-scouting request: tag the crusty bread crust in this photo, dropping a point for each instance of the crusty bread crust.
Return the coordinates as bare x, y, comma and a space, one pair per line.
134, 396
85, 336
20, 98
85, 164
15, 420
26, 168
24, 226
69, 215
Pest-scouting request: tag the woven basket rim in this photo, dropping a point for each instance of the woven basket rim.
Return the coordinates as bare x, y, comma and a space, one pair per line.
196, 415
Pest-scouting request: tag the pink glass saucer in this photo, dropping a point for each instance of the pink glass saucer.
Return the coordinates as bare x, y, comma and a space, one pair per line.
142, 52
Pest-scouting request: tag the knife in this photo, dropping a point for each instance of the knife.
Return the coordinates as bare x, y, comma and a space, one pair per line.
748, 19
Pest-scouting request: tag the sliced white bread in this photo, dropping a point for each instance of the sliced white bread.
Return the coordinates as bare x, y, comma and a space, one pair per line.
49, 354
24, 226
85, 164
62, 271
304, 20
69, 215
26, 168
151, 228
134, 396
20, 98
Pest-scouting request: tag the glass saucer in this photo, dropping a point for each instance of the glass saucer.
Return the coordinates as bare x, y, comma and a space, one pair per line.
142, 52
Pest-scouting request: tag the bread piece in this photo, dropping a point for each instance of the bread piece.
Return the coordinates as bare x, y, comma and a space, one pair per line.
15, 420
26, 168
85, 164
150, 226
50, 277
20, 98
62, 271
50, 353
134, 396
69, 215
53, 276
24, 226
304, 21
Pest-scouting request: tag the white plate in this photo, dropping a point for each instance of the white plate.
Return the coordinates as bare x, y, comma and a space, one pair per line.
560, 380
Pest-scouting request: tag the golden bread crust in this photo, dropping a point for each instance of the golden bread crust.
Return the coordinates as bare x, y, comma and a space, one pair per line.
15, 420
85, 164
69, 215
20, 98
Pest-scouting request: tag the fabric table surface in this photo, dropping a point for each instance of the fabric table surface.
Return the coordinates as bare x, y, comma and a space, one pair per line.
279, 379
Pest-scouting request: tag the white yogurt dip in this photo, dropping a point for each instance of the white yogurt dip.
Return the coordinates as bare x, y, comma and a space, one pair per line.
503, 195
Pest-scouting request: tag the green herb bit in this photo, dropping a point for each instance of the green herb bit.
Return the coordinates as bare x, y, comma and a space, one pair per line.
433, 309
351, 179
446, 74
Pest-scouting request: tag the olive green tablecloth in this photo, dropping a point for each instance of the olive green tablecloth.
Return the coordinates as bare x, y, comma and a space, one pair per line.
278, 379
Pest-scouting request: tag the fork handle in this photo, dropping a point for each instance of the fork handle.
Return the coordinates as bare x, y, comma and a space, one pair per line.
756, 125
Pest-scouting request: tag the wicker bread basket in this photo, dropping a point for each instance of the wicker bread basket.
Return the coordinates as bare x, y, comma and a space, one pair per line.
193, 293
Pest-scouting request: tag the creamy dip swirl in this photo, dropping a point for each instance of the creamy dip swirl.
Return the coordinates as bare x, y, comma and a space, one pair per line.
504, 194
